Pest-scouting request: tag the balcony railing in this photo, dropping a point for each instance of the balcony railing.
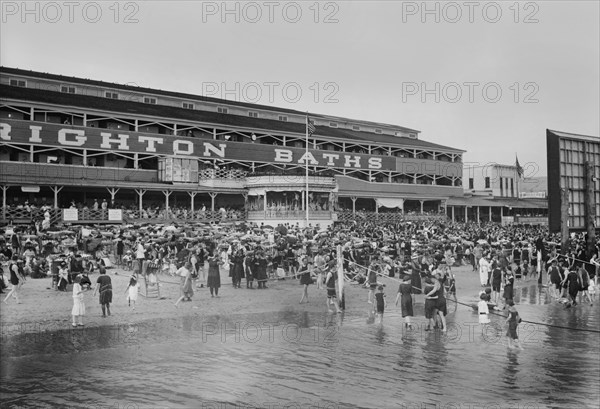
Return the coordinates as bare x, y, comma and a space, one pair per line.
396, 217
289, 214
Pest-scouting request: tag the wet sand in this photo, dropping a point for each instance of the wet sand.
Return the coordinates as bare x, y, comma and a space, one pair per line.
44, 309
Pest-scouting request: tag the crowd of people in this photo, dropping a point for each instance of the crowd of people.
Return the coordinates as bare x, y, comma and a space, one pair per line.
420, 255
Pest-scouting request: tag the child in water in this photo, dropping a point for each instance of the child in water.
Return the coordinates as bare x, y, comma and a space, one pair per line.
482, 308
380, 303
132, 291
513, 321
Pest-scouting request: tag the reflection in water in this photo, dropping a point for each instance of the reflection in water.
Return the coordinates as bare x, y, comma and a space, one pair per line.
511, 369
312, 359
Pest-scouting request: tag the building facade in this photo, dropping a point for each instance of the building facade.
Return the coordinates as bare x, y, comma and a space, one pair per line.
573, 168
492, 193
68, 141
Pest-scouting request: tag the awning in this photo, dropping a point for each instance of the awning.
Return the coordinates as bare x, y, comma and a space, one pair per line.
390, 203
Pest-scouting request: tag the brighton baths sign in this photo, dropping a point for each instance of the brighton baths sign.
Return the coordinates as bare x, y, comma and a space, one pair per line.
96, 139
101, 139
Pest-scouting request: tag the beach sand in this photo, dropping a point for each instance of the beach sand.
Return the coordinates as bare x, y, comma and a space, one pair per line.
46, 311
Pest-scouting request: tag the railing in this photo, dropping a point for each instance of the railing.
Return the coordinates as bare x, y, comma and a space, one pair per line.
347, 215
24, 215
206, 216
540, 221
289, 214
229, 174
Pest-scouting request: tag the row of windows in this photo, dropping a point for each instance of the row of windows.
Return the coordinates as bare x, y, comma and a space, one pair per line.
70, 89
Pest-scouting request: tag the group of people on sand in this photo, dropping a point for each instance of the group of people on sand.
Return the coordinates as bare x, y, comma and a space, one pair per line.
419, 255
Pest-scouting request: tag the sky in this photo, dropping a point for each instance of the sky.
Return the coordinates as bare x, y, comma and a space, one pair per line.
486, 77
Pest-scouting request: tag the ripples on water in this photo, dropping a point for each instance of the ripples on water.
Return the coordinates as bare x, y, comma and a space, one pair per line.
319, 360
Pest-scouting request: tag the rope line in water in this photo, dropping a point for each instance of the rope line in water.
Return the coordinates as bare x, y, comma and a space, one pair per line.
595, 331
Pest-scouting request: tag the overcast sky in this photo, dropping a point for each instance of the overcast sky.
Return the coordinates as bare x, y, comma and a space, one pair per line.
502, 72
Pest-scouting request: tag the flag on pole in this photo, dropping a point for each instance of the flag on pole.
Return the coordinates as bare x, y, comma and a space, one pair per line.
520, 169
310, 126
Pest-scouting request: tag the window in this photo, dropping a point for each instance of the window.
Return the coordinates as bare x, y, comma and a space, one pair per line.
333, 124
377, 130
222, 110
487, 182
470, 183
188, 105
253, 114
111, 95
501, 186
149, 100
283, 118
412, 135
356, 127
512, 188
18, 83
67, 89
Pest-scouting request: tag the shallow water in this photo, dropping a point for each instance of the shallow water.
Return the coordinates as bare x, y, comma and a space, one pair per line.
313, 360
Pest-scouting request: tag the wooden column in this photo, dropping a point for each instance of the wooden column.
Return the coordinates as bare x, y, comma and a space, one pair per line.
113, 192
56, 189
192, 196
4, 189
167, 194
212, 200
140, 193
353, 198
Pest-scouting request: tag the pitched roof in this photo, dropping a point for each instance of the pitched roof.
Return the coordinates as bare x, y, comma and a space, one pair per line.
123, 107
190, 97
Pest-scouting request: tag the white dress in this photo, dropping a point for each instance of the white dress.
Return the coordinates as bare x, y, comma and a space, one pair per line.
132, 293
78, 304
483, 310
484, 267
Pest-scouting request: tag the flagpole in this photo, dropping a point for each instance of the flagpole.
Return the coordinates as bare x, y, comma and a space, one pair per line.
306, 168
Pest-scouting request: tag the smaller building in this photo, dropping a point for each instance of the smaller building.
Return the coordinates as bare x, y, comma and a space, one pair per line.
492, 193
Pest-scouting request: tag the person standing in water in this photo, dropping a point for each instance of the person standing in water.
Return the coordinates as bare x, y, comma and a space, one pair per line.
104, 286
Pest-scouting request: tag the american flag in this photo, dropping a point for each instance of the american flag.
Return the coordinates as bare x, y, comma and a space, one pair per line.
520, 169
310, 126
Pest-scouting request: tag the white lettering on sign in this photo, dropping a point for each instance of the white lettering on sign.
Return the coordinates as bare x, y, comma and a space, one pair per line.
208, 148
79, 134
5, 132
151, 141
35, 134
107, 141
98, 139
308, 157
349, 161
181, 147
375, 163
283, 155
330, 157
